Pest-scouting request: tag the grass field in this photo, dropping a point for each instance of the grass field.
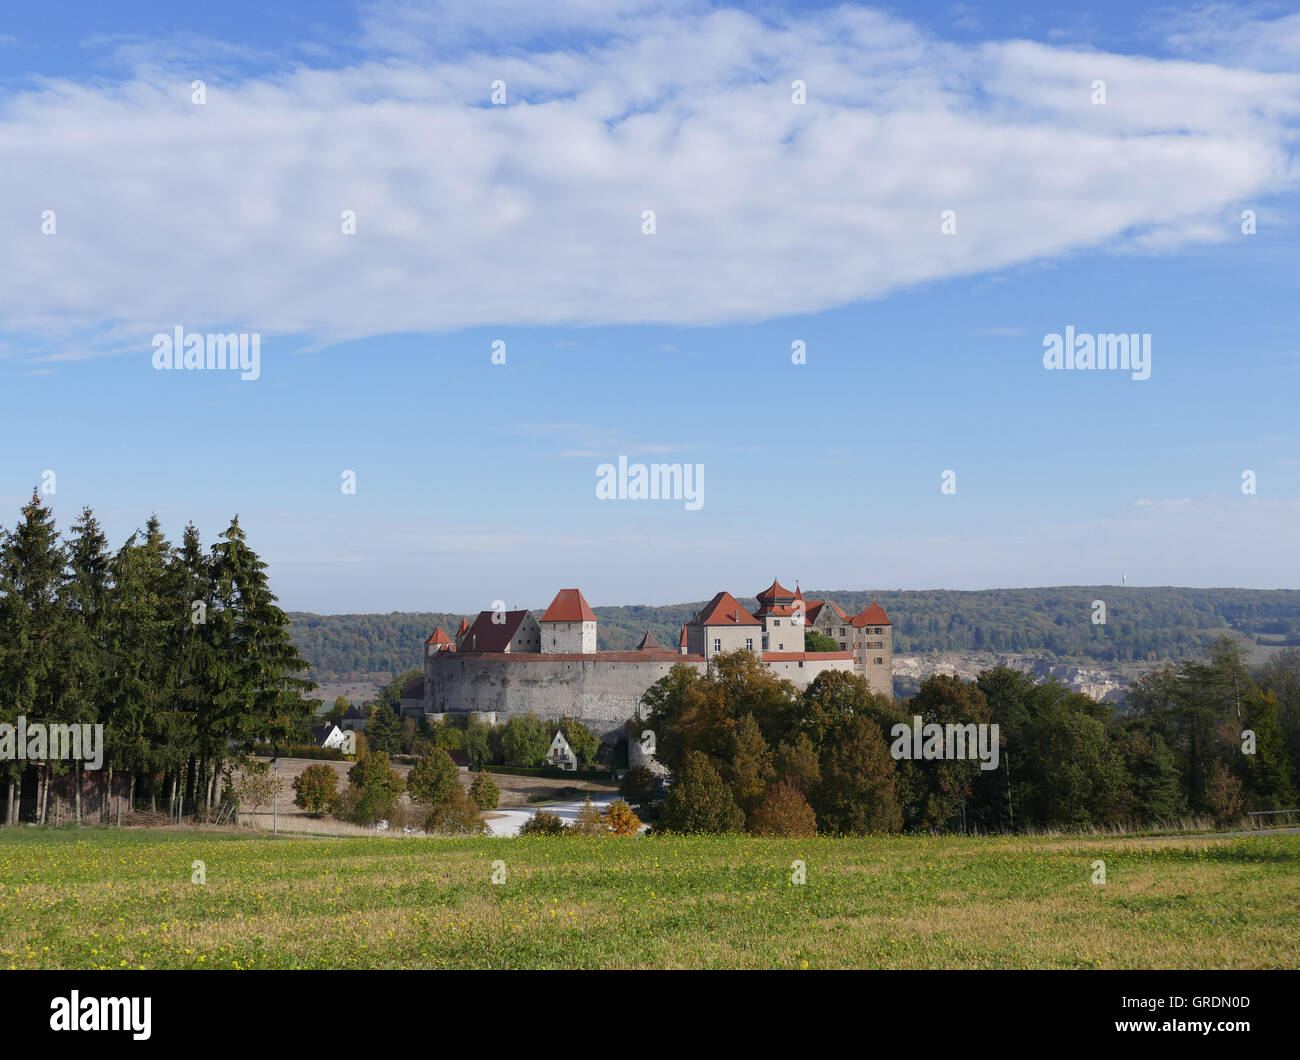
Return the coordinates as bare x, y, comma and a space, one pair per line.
102, 898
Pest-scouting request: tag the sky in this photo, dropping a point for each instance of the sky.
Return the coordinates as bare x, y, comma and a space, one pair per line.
838, 308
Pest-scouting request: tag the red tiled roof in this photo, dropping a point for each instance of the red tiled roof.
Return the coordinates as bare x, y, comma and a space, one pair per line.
774, 591
648, 643
725, 610
440, 637
682, 643
809, 656
569, 605
486, 635
464, 628
872, 616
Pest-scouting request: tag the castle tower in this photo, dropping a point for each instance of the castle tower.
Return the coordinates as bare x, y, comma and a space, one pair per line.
782, 626
872, 644
569, 625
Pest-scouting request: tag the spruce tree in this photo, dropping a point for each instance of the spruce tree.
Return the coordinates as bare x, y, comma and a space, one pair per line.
32, 624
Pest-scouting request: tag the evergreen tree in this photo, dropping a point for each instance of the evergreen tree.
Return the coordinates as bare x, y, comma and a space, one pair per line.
383, 730
32, 625
86, 660
857, 790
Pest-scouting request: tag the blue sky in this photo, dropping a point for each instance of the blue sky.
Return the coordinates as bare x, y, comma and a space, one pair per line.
775, 223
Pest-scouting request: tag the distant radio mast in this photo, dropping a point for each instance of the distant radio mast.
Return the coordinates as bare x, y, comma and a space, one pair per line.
1123, 578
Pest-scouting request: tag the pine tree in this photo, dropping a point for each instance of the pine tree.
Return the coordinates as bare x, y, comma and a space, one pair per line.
258, 695
32, 622
86, 659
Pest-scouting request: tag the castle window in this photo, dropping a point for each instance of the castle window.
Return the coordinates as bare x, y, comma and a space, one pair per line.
749, 643
878, 630
800, 664
841, 631
717, 646
776, 621
842, 647
879, 661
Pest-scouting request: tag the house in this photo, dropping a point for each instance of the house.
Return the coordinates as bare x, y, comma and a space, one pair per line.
353, 719
560, 755
328, 736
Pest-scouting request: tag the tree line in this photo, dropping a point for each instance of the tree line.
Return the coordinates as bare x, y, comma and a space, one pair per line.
747, 751
181, 654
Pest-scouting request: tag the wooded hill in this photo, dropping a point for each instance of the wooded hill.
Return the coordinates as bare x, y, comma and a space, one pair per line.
1141, 624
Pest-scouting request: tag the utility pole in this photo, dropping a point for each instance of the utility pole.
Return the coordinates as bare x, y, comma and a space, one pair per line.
275, 796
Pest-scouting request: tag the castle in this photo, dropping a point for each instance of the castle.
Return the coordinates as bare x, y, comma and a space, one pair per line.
511, 662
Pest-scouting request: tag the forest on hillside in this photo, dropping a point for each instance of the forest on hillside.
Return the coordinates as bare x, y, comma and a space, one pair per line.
1141, 624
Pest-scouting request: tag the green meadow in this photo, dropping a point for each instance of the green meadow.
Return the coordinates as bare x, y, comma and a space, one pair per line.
106, 898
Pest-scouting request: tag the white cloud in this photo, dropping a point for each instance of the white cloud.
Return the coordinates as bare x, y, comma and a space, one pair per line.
227, 215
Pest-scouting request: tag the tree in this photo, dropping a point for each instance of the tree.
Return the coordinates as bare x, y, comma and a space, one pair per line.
432, 778
383, 730
334, 716
620, 820
456, 814
783, 812
524, 740
476, 742
699, 801
316, 789
590, 821
374, 787
814, 641
641, 787
32, 623
796, 763
856, 794
747, 768
484, 791
584, 742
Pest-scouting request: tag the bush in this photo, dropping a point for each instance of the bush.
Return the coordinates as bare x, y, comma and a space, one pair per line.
620, 819
640, 787
783, 812
543, 823
590, 821
456, 814
485, 793
1223, 796
316, 789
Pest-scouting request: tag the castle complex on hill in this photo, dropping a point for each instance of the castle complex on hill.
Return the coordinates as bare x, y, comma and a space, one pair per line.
511, 662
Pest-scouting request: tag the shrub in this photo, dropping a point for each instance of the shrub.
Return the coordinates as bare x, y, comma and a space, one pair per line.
783, 812
316, 789
590, 821
1223, 796
484, 792
543, 823
699, 801
620, 819
456, 814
